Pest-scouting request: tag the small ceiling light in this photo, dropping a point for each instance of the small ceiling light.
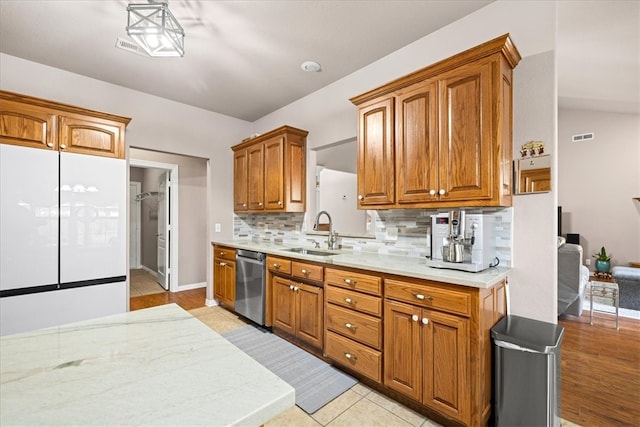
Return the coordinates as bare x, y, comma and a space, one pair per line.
310, 66
155, 29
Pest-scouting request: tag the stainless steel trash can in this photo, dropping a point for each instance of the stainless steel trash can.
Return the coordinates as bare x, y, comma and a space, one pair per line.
526, 372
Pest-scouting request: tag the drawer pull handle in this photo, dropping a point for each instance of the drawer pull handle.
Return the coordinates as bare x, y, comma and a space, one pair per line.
223, 264
425, 321
422, 297
304, 271
276, 266
221, 253
49, 144
296, 288
349, 301
291, 287
350, 356
350, 282
414, 317
350, 326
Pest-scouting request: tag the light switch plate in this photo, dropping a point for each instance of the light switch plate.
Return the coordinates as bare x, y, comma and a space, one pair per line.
218, 228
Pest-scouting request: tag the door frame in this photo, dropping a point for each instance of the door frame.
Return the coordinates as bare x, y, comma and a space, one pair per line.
172, 268
138, 254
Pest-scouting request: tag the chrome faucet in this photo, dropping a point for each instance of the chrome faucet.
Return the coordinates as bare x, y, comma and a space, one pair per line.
332, 241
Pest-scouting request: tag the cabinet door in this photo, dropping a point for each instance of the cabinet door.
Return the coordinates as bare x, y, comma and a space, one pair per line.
417, 143
295, 173
240, 181
446, 364
218, 279
255, 177
229, 297
376, 164
284, 314
309, 312
465, 139
274, 174
27, 125
91, 136
403, 349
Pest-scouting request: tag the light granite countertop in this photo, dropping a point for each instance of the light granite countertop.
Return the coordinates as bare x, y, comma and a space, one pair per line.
411, 267
158, 366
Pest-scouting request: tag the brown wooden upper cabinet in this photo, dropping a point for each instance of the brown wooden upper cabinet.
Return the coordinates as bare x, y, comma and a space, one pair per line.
441, 136
38, 123
269, 173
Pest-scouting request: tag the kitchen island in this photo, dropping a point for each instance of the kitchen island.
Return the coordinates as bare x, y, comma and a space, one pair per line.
159, 366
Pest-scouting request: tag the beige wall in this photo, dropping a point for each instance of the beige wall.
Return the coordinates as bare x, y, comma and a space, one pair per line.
598, 180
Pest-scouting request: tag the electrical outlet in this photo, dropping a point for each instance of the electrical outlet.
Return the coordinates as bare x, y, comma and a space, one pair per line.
587, 261
218, 228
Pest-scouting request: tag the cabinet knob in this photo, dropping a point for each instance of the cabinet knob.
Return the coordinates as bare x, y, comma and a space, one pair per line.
349, 301
425, 320
414, 317
260, 204
223, 264
63, 146
279, 203
441, 192
360, 197
276, 266
350, 326
50, 144
305, 272
296, 288
350, 356
221, 253
244, 205
350, 282
432, 192
291, 287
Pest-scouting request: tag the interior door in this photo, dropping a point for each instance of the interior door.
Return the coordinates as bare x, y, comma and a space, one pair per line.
134, 225
164, 229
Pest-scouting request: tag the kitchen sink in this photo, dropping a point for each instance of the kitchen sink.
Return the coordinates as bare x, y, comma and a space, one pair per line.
305, 251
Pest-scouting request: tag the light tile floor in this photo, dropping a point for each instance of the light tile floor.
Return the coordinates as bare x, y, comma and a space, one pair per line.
141, 282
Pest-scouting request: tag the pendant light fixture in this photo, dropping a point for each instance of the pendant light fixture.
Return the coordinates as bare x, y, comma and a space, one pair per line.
155, 29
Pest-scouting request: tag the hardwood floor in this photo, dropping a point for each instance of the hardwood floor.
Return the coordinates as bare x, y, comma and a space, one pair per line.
600, 383
600, 371
188, 300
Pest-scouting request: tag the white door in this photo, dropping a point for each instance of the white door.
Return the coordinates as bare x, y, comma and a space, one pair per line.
164, 230
134, 224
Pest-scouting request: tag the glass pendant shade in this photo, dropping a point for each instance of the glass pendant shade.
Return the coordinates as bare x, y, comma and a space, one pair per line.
155, 29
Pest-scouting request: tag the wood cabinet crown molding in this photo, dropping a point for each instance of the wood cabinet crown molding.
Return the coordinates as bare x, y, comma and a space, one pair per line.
503, 45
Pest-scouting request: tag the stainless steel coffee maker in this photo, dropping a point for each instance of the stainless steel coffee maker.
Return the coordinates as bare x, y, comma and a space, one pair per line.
462, 241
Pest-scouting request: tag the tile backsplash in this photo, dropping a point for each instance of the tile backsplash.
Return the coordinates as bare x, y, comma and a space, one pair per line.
396, 231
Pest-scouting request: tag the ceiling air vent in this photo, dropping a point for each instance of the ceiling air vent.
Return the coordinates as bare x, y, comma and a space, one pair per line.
583, 137
129, 46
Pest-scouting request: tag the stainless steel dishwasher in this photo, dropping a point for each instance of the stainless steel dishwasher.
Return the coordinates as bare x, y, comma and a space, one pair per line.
250, 285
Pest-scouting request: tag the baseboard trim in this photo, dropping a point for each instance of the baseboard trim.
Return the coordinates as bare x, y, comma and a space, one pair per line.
190, 286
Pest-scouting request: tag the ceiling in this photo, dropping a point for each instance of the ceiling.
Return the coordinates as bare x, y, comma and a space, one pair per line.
243, 57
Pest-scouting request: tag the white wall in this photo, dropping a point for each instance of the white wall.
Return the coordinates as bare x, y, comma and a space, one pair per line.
157, 124
329, 117
598, 180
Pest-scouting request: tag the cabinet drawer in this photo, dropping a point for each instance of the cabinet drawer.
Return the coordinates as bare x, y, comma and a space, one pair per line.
457, 302
355, 300
354, 355
307, 271
280, 265
223, 252
355, 281
356, 326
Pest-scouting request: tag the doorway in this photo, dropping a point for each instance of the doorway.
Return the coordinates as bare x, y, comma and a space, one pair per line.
153, 236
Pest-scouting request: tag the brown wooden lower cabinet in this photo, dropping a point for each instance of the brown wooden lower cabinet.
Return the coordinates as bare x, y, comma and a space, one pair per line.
426, 358
224, 276
297, 310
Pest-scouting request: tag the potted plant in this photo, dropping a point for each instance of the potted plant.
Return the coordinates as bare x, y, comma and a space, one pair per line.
603, 261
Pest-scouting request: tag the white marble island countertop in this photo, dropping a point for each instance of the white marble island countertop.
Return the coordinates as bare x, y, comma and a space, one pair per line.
412, 267
159, 366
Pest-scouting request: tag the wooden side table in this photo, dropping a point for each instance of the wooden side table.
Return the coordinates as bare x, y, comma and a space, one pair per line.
605, 289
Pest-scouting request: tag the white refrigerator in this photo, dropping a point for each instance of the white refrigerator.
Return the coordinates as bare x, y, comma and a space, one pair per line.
62, 237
